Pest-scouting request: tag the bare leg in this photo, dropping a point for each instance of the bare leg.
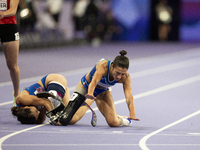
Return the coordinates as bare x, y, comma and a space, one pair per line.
83, 109
11, 51
107, 108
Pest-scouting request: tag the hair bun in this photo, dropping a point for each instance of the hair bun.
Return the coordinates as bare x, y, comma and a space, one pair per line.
123, 52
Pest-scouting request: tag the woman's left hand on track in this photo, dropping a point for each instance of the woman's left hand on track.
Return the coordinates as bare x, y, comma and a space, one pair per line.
133, 118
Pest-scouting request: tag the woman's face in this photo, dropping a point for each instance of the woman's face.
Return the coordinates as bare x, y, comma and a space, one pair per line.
118, 73
34, 111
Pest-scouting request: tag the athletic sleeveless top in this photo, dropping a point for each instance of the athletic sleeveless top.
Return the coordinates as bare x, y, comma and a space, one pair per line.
104, 82
32, 90
5, 5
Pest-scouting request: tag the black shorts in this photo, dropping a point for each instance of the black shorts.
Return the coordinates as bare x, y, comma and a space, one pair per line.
9, 32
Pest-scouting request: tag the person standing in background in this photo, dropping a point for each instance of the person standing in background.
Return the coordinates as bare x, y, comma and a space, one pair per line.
9, 37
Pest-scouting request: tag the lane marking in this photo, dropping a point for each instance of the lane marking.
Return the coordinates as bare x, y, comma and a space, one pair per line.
165, 68
142, 142
198, 134
35, 79
157, 90
57, 145
104, 132
120, 101
164, 88
118, 131
190, 52
170, 67
6, 103
12, 134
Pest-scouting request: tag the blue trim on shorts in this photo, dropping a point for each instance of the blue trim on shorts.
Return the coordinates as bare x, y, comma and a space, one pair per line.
97, 91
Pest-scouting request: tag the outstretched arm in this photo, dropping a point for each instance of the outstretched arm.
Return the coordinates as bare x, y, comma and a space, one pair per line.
100, 71
129, 97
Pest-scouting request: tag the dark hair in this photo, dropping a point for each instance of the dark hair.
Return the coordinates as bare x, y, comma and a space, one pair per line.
23, 115
121, 61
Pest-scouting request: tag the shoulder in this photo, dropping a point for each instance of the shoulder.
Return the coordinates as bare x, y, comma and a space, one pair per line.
101, 67
102, 64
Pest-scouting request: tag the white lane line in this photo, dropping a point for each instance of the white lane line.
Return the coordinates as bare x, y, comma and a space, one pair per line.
12, 134
124, 145
35, 79
157, 90
170, 67
142, 142
56, 145
196, 134
6, 103
190, 52
117, 102
164, 88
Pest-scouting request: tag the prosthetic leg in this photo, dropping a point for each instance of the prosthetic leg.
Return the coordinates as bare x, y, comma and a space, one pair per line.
74, 103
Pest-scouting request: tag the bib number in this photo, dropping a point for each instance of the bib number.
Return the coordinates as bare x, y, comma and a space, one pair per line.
3, 5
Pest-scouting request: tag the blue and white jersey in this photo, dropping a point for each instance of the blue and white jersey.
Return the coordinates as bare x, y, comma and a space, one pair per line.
32, 90
104, 82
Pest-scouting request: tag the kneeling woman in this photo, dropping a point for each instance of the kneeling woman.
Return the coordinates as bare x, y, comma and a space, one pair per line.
95, 86
30, 109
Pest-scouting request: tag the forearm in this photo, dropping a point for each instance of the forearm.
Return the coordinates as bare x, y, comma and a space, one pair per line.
10, 12
42, 102
91, 88
131, 106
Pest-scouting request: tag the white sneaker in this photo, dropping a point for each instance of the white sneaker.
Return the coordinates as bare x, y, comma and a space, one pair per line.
125, 121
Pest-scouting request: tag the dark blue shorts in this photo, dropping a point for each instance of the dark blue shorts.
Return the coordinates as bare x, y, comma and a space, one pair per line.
97, 91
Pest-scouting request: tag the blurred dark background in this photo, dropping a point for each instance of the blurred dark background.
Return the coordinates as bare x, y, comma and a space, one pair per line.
59, 22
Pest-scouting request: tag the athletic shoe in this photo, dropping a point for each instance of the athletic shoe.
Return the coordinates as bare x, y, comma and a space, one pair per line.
125, 121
